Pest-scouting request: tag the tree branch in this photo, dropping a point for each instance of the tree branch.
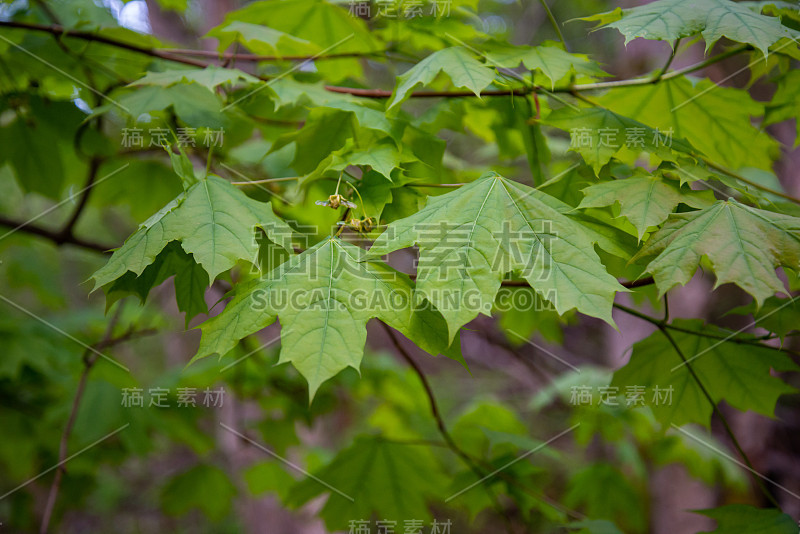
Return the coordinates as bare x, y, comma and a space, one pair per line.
94, 166
89, 36
54, 235
238, 56
728, 339
89, 359
720, 415
170, 55
440, 424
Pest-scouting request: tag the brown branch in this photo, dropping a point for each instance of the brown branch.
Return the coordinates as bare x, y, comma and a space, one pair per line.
258, 57
375, 93
55, 236
89, 36
383, 93
94, 166
722, 418
89, 359
524, 283
437, 415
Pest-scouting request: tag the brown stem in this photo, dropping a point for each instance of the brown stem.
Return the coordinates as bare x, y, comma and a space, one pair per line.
57, 30
720, 415
94, 166
89, 359
437, 415
55, 236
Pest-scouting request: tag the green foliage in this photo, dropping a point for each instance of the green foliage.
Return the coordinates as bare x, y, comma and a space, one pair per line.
738, 373
213, 221
462, 68
672, 19
386, 188
485, 221
743, 245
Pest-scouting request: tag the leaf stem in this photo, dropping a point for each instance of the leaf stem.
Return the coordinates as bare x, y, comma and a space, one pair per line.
670, 59
554, 24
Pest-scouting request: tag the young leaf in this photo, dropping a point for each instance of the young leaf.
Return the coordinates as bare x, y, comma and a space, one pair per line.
209, 77
213, 220
462, 68
737, 373
645, 200
261, 39
554, 62
743, 244
470, 238
324, 298
672, 19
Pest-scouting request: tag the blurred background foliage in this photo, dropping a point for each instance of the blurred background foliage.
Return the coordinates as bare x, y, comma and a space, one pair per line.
179, 468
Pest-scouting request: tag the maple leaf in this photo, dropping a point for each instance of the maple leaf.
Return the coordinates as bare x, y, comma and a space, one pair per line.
462, 68
744, 245
471, 238
672, 19
324, 298
646, 200
213, 220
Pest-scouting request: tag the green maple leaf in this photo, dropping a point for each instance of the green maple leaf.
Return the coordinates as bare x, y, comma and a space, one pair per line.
736, 518
737, 373
194, 104
646, 200
191, 281
552, 61
744, 246
608, 134
213, 220
318, 21
715, 120
374, 477
672, 19
462, 68
324, 298
209, 77
261, 39
470, 238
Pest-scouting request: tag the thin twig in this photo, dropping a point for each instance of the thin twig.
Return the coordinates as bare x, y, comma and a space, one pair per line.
376, 93
54, 236
94, 166
440, 424
89, 360
554, 24
670, 59
720, 415
728, 339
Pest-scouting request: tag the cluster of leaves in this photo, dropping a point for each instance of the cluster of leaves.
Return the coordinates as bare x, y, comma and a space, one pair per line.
575, 223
